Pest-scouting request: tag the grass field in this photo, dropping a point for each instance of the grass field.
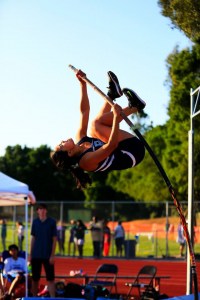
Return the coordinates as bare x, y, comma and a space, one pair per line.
146, 246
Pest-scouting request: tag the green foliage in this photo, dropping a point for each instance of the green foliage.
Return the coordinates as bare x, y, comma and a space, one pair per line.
183, 70
34, 167
184, 14
170, 141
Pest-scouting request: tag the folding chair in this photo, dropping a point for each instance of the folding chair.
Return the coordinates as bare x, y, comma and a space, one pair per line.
143, 283
2, 285
101, 280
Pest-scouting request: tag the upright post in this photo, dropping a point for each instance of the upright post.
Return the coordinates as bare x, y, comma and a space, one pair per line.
61, 211
26, 247
167, 228
190, 190
14, 223
113, 219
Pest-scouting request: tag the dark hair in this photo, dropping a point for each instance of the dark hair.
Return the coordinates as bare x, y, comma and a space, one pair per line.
13, 246
64, 162
41, 205
80, 222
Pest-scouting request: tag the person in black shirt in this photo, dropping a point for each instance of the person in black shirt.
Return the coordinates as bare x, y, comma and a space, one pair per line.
79, 235
42, 252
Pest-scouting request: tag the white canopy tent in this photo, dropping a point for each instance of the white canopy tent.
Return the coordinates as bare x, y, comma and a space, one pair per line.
15, 193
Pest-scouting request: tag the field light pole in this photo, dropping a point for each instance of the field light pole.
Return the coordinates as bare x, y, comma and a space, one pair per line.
193, 113
167, 228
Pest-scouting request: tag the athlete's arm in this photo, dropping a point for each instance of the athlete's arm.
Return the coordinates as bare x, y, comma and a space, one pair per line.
84, 108
90, 160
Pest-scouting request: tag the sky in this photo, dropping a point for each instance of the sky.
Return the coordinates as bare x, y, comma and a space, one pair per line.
39, 93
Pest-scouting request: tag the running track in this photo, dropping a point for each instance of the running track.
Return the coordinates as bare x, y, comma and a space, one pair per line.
176, 269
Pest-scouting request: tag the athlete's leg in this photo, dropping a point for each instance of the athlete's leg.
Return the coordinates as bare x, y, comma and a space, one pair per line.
105, 109
114, 91
102, 125
34, 287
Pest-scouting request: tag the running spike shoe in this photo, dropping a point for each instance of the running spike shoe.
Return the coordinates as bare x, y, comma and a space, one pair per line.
133, 99
114, 89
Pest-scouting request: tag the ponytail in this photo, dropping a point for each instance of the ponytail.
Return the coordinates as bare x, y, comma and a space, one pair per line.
64, 162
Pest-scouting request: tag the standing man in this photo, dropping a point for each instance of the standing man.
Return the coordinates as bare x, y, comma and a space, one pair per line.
106, 238
20, 235
71, 238
96, 228
3, 233
181, 239
119, 235
61, 228
43, 246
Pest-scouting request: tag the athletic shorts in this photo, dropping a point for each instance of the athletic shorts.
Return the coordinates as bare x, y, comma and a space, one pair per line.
129, 153
71, 239
37, 264
119, 242
10, 278
134, 146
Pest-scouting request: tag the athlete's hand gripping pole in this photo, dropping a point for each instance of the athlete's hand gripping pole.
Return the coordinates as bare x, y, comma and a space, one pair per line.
108, 99
166, 179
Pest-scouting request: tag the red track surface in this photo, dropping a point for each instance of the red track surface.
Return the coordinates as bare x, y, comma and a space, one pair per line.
175, 286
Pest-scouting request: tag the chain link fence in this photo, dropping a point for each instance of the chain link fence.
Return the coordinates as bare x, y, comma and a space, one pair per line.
145, 234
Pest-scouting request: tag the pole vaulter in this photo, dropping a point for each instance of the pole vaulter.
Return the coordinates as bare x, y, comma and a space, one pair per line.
165, 177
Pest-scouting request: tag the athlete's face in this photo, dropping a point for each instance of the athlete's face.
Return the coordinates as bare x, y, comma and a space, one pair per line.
65, 145
13, 252
42, 213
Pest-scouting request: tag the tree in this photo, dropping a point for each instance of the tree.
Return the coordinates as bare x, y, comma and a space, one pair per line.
170, 141
185, 15
183, 69
34, 167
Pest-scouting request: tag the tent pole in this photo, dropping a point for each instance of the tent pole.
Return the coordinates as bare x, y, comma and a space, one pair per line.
26, 238
14, 224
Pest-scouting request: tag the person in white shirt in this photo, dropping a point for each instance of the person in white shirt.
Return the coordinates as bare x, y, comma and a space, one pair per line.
119, 235
181, 239
14, 269
96, 228
20, 235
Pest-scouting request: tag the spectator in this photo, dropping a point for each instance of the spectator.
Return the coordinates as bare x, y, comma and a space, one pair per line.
61, 237
14, 269
3, 233
119, 235
97, 236
181, 239
106, 239
42, 252
79, 236
20, 235
71, 238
